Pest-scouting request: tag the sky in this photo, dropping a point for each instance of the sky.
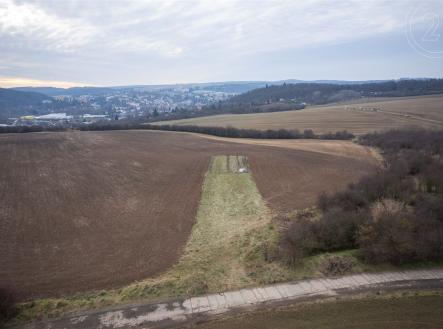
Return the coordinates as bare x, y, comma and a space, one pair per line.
66, 43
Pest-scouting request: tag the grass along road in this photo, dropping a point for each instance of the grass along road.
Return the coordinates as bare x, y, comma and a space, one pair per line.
198, 309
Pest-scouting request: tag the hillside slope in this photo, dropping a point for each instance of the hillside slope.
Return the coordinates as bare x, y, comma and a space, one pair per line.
358, 117
323, 93
14, 102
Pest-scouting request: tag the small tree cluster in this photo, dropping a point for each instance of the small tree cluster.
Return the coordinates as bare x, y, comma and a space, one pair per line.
335, 230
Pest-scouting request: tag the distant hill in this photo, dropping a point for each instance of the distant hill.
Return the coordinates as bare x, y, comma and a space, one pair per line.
283, 96
323, 93
48, 91
74, 91
14, 103
234, 87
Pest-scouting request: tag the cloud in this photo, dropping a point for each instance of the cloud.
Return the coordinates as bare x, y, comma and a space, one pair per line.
205, 25
138, 44
147, 36
39, 29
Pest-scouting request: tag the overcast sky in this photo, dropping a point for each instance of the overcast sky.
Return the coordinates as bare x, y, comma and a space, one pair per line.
104, 43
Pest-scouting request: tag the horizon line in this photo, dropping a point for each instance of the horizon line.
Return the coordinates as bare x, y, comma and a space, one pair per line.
35, 83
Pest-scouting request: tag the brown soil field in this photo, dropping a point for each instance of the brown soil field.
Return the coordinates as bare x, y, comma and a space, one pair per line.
411, 312
356, 117
84, 211
332, 147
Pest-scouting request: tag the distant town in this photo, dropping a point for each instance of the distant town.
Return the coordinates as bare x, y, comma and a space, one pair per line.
91, 105
52, 107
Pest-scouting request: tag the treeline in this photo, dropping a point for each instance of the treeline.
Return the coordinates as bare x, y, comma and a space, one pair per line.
223, 108
229, 131
394, 215
215, 131
323, 93
30, 129
228, 107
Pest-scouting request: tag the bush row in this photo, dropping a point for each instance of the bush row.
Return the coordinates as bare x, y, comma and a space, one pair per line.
254, 133
28, 129
215, 131
230, 131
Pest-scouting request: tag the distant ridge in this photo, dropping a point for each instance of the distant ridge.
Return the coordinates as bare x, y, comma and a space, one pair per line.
74, 91
236, 87
294, 96
323, 93
15, 102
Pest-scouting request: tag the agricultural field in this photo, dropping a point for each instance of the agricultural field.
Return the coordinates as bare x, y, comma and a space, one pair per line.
356, 117
86, 211
89, 211
386, 312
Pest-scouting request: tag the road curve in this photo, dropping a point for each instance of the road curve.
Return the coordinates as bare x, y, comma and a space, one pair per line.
176, 312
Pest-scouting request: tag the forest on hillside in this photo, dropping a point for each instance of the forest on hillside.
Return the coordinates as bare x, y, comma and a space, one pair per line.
287, 96
323, 93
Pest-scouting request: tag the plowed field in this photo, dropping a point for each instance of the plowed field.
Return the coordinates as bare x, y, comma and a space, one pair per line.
93, 210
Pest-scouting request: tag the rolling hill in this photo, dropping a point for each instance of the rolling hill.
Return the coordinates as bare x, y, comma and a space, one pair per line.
358, 117
74, 91
323, 93
14, 102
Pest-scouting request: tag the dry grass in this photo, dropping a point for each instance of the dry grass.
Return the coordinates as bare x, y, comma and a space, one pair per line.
231, 212
423, 111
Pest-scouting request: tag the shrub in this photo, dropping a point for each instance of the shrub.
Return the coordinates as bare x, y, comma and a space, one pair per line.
432, 177
323, 201
337, 229
298, 240
336, 265
308, 133
429, 206
386, 206
389, 237
428, 240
